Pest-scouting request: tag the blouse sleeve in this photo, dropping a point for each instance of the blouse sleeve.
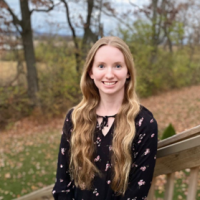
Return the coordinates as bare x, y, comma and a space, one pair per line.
63, 188
144, 151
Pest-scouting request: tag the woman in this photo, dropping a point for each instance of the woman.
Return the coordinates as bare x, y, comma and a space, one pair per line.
109, 141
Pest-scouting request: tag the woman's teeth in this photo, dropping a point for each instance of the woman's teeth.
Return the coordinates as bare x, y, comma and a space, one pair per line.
109, 83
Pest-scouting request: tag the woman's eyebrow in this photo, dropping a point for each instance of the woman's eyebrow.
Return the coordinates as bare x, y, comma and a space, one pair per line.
117, 62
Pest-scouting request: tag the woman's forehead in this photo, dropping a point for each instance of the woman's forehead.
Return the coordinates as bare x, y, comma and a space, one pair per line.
108, 53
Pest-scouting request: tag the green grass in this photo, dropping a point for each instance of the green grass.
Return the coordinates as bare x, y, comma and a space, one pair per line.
29, 164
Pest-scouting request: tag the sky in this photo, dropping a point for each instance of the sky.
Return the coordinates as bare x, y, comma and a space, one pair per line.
55, 21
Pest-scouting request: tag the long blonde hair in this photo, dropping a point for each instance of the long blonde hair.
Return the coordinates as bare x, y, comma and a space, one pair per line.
84, 120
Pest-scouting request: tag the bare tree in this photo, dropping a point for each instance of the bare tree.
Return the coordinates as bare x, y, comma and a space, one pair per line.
89, 36
24, 28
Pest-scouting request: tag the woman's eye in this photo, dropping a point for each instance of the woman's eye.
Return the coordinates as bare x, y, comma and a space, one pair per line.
101, 66
118, 66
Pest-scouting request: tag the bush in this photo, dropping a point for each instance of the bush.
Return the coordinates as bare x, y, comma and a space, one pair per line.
14, 104
168, 132
58, 79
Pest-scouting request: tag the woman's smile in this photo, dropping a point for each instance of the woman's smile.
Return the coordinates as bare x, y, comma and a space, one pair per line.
109, 82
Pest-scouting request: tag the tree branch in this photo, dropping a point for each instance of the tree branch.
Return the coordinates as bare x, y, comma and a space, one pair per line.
77, 53
119, 19
45, 10
16, 21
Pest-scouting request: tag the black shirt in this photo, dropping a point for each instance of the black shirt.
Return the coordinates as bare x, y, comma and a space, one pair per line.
144, 148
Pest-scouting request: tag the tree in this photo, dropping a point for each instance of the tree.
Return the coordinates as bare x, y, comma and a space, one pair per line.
89, 36
24, 28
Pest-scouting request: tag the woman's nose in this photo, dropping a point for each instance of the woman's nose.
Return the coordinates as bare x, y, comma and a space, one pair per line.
109, 72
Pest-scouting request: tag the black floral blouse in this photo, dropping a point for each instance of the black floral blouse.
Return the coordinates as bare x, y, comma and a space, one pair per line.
144, 148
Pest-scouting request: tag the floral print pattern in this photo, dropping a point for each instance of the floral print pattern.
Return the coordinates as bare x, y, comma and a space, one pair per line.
144, 148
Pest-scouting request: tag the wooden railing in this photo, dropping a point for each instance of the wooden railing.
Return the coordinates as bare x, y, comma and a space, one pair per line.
176, 153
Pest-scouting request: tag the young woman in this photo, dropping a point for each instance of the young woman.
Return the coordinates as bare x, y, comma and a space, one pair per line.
109, 141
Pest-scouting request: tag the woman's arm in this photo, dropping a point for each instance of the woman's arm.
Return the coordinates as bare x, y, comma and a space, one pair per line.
63, 188
144, 158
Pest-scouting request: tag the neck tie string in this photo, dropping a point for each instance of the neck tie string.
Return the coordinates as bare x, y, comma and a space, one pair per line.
104, 122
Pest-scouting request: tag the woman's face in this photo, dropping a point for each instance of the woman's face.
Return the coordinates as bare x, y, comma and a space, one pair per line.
109, 71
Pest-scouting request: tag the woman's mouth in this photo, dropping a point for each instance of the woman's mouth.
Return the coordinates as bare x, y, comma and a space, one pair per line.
109, 82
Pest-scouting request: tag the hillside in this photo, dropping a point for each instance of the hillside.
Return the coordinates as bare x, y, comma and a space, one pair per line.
179, 107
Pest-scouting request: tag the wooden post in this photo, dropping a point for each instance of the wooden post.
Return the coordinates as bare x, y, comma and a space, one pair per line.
169, 187
151, 194
192, 190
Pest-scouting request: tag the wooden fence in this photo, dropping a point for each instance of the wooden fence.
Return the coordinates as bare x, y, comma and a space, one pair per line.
176, 153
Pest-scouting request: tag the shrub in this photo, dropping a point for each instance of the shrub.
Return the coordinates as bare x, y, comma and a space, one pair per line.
168, 132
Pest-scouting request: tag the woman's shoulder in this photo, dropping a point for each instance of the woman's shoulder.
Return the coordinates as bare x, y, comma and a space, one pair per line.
69, 114
68, 126
145, 117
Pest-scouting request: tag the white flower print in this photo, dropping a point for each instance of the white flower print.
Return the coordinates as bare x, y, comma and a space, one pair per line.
140, 121
151, 121
63, 151
139, 141
98, 141
53, 192
61, 180
152, 135
67, 120
107, 166
134, 165
141, 136
95, 192
154, 157
143, 168
97, 159
147, 151
141, 182
108, 182
69, 184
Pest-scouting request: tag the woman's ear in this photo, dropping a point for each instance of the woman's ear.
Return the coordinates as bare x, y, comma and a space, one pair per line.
90, 74
127, 76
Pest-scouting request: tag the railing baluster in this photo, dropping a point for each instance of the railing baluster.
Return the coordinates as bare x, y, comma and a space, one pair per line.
193, 180
151, 195
169, 188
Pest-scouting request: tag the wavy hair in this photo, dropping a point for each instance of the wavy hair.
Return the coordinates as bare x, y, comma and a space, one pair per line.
84, 119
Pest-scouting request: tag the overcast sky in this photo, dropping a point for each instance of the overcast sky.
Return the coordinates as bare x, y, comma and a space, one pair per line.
48, 22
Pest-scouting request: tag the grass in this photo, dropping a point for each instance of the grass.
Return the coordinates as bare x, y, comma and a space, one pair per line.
28, 163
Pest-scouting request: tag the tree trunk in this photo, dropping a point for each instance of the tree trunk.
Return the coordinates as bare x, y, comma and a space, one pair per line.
29, 54
89, 36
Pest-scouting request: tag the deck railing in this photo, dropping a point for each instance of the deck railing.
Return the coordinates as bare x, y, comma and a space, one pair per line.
176, 153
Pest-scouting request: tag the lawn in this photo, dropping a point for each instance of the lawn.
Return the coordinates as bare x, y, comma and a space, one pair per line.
28, 163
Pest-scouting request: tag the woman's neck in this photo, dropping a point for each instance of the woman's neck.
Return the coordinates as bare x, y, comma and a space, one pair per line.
109, 106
